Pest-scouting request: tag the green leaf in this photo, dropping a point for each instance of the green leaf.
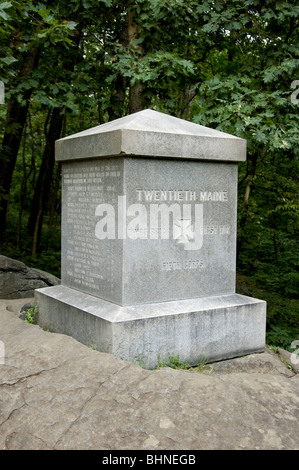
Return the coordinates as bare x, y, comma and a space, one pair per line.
71, 25
8, 60
108, 3
5, 5
4, 15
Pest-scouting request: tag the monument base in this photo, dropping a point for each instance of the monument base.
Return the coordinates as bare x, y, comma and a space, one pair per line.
211, 328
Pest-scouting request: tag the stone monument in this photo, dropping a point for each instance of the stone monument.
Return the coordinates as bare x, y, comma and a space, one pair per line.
149, 212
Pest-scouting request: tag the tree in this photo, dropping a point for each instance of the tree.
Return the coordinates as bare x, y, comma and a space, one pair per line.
26, 28
18, 99
68, 56
248, 94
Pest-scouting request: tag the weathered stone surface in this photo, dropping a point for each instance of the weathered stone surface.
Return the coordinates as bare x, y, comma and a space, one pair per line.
19, 281
153, 260
290, 358
182, 244
56, 393
266, 363
215, 328
150, 133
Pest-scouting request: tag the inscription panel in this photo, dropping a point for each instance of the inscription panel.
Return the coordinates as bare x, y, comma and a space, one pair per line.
144, 230
184, 225
88, 264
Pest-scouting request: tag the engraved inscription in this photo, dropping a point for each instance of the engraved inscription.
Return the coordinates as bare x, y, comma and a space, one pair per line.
182, 265
184, 228
180, 195
165, 195
96, 214
85, 185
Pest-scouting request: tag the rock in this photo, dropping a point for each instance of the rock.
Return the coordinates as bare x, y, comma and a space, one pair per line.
264, 363
290, 358
57, 394
24, 310
19, 281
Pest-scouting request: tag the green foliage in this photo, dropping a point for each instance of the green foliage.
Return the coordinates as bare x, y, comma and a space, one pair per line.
282, 327
31, 315
174, 362
226, 65
248, 95
282, 338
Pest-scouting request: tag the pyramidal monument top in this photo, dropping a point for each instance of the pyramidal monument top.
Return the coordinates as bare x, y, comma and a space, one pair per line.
150, 133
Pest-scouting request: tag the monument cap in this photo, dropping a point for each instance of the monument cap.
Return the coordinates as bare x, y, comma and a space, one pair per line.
150, 133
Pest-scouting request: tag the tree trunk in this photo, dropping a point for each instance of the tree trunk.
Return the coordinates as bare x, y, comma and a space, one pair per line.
137, 101
42, 190
14, 125
54, 200
43, 186
116, 107
241, 233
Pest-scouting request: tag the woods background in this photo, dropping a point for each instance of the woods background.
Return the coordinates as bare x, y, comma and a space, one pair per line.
66, 66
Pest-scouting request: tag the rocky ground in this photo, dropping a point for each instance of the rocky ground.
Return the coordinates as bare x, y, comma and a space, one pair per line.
56, 393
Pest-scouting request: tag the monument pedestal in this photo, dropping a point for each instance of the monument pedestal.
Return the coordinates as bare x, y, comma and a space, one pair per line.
149, 224
210, 329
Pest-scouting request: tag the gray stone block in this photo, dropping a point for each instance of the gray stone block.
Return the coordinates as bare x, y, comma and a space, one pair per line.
151, 260
152, 134
212, 328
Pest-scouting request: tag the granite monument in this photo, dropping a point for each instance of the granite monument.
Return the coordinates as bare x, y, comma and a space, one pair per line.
149, 214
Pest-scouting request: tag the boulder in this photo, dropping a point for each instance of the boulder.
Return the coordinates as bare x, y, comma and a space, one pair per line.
19, 281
